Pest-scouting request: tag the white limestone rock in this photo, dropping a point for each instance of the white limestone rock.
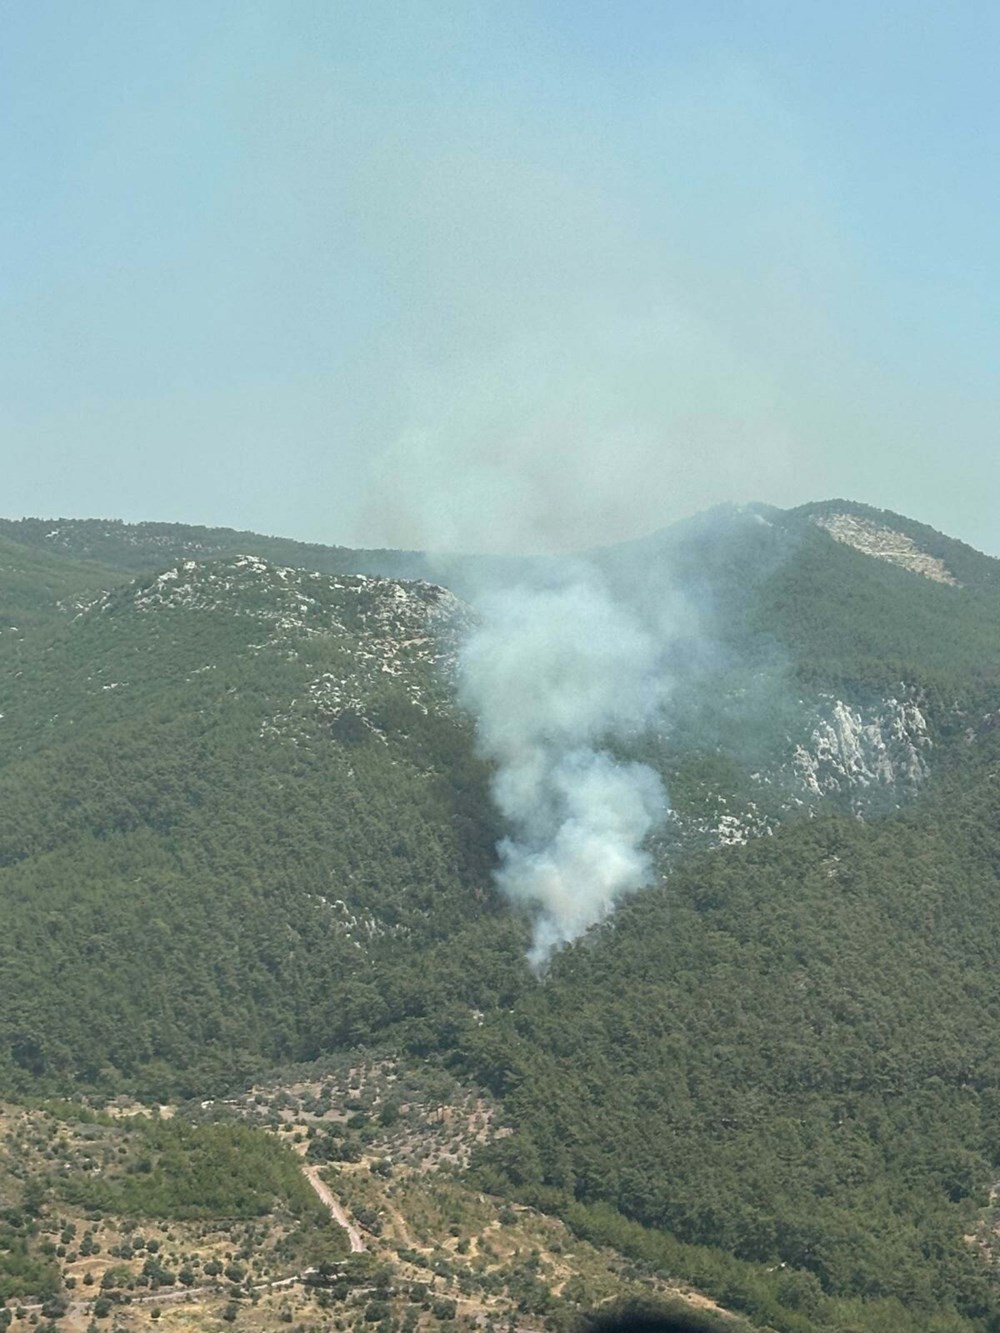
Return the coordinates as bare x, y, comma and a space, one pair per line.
883, 543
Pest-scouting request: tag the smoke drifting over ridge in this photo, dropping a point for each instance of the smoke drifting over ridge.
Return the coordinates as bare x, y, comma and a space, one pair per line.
554, 674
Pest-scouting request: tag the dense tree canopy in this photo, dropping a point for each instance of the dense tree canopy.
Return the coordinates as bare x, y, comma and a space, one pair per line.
243, 822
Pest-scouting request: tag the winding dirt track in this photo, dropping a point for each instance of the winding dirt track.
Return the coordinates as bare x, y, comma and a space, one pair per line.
335, 1210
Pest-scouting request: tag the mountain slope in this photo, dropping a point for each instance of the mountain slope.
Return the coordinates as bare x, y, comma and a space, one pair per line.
772, 582
788, 1050
242, 821
229, 811
33, 583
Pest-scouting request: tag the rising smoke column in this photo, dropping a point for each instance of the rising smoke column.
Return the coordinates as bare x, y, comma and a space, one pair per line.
553, 673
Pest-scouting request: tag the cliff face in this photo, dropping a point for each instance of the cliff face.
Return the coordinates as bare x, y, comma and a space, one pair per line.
860, 752
868, 759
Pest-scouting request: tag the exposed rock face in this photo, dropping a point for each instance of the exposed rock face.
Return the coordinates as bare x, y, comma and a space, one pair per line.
358, 633
291, 600
873, 759
885, 544
723, 827
861, 752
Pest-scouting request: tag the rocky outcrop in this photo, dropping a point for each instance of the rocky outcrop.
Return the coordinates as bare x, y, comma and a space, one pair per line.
884, 543
860, 752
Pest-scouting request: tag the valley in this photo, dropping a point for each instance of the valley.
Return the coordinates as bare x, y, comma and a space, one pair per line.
410, 1243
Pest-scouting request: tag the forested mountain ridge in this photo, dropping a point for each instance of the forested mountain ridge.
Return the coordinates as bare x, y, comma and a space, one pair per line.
243, 822
134, 548
34, 582
156, 708
238, 773
763, 577
966, 566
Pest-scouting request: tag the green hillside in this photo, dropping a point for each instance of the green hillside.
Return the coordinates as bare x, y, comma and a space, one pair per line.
787, 1052
231, 812
134, 548
33, 583
243, 823
775, 588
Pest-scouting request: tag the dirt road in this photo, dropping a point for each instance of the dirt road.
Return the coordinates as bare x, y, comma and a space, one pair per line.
335, 1210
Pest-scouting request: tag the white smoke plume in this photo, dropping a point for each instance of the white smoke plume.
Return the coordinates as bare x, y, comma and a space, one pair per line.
554, 674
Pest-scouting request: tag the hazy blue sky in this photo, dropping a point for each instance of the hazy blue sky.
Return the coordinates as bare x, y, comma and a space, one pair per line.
499, 274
